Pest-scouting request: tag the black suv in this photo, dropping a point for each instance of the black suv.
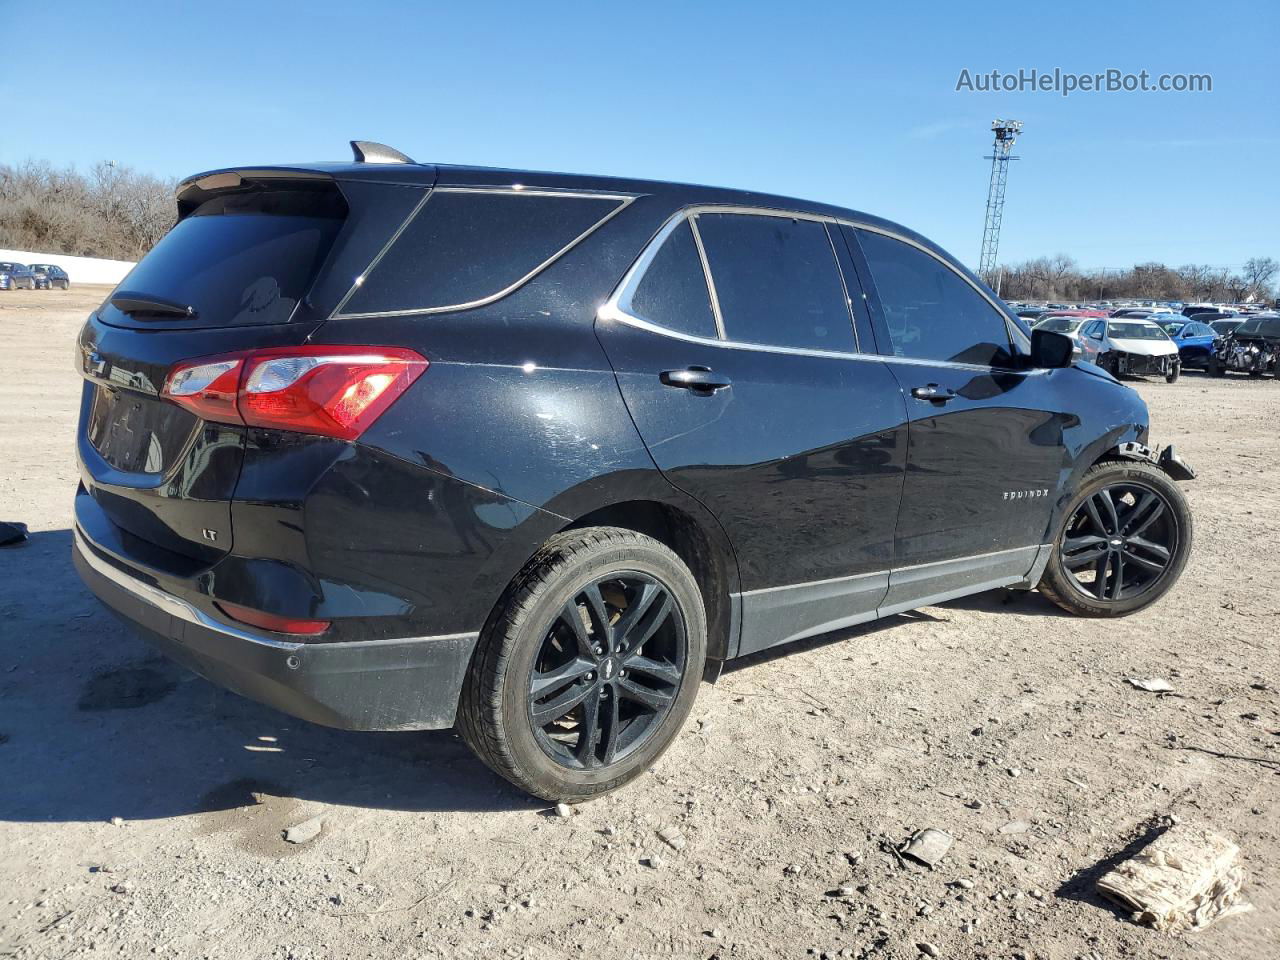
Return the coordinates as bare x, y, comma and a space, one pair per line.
392, 446
50, 275
1252, 347
16, 276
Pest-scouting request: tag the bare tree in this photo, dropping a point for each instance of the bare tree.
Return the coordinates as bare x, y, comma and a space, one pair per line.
113, 211
1259, 275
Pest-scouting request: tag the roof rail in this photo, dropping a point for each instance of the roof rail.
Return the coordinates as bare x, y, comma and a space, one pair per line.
369, 151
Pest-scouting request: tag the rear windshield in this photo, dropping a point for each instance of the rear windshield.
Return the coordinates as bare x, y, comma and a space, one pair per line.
469, 246
240, 258
1059, 324
1136, 331
1265, 327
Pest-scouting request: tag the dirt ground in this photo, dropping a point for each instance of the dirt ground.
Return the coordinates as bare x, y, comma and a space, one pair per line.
142, 809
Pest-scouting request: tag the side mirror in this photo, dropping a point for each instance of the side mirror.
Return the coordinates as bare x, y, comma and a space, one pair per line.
1051, 350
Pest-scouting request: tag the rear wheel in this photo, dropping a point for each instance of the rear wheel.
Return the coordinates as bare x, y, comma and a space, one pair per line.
588, 665
1123, 543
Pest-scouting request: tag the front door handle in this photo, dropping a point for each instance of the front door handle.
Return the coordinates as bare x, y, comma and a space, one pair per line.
933, 393
700, 380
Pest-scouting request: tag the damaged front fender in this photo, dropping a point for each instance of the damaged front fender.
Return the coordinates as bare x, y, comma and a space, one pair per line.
1167, 460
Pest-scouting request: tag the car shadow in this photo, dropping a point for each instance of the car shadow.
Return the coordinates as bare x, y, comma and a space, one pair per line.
1024, 602
94, 725
1027, 603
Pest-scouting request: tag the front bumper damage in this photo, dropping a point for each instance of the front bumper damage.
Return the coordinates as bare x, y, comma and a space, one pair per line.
1138, 365
1166, 459
1248, 356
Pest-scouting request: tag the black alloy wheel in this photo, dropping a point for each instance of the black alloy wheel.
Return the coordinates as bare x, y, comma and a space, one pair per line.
588, 665
1119, 542
1124, 542
608, 671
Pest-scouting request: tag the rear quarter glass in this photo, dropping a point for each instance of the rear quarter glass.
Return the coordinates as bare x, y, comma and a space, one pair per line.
464, 246
241, 259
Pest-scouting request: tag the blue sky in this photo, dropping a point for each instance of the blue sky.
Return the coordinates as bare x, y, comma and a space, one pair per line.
849, 103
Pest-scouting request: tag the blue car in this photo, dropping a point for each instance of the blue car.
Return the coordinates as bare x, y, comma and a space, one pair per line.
1195, 341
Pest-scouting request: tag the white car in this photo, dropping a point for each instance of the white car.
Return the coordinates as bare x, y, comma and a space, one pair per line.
1124, 345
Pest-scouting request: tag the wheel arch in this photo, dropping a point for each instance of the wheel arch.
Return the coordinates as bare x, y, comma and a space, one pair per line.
703, 548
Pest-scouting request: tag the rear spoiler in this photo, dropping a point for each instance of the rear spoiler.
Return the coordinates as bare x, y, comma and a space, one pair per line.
372, 162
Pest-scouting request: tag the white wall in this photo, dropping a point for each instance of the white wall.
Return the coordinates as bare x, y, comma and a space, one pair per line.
79, 269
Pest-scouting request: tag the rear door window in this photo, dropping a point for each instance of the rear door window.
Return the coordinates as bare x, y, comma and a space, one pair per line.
673, 291
777, 281
931, 311
465, 246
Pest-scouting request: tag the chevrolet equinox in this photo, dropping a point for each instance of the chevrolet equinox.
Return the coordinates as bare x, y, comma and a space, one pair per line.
396, 446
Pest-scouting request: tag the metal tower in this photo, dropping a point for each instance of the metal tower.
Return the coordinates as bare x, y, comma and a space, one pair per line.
1006, 132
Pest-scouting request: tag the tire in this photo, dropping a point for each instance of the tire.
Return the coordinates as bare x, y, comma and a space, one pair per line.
1174, 372
1169, 530
532, 637
1214, 368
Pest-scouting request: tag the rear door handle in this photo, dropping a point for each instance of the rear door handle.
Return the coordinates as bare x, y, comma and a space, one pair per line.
933, 393
700, 380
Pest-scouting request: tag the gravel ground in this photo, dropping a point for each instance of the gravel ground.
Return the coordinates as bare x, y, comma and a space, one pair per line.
142, 809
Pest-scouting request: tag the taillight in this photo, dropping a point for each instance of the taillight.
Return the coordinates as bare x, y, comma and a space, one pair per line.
334, 391
271, 621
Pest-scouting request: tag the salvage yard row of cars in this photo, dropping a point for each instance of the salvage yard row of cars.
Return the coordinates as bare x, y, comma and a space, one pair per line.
1155, 340
35, 276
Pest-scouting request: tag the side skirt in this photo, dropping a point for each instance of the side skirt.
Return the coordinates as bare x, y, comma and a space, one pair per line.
777, 615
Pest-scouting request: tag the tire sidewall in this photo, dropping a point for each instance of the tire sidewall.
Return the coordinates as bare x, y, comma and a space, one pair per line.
645, 558
1140, 475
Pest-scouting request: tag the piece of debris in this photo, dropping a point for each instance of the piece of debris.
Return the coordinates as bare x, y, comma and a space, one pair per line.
928, 846
1151, 684
654, 861
1015, 771
124, 887
846, 890
117, 821
609, 830
673, 838
12, 534
305, 831
1016, 826
1186, 878
928, 949
964, 883
564, 811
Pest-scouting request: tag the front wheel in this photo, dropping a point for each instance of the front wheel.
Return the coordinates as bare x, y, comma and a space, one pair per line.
588, 666
1123, 543
1175, 370
1214, 368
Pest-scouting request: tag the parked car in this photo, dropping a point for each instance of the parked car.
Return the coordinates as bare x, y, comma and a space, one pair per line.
1067, 327
568, 443
1031, 313
1223, 327
1253, 347
1133, 347
50, 275
1191, 309
1195, 340
16, 276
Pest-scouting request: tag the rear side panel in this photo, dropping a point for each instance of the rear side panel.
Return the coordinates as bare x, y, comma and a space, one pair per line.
258, 264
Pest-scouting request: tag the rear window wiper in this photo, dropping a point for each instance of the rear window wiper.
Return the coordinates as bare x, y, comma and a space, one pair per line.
132, 303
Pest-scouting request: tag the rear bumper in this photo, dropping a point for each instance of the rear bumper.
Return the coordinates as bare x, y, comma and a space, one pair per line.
402, 684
